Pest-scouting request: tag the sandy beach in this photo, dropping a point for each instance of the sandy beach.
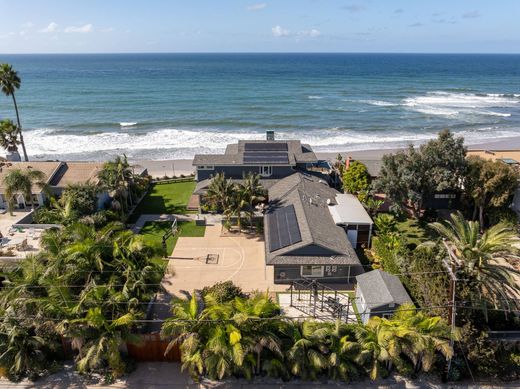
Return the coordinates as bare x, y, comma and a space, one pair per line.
177, 167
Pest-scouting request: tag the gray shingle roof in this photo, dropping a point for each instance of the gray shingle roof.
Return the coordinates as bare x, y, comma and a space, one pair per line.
309, 197
234, 154
373, 166
380, 288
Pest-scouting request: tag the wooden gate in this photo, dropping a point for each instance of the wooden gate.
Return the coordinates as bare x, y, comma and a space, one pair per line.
152, 348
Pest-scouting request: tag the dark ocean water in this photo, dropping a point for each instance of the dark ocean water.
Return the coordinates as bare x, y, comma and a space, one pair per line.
159, 106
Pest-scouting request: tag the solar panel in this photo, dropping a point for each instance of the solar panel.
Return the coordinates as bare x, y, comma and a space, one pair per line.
283, 228
271, 146
266, 157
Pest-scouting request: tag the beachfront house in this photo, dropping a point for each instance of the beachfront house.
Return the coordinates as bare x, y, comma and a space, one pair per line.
58, 175
271, 159
302, 237
379, 293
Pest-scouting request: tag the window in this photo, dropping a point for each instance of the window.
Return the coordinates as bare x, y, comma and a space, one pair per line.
206, 167
445, 196
266, 171
312, 271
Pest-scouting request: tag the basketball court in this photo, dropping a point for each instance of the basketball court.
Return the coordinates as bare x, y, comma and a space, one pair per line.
204, 261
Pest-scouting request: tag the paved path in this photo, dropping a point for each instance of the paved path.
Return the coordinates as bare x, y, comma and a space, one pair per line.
168, 375
143, 219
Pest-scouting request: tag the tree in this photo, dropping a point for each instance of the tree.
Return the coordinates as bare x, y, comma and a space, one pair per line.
9, 83
490, 184
220, 192
20, 182
481, 259
83, 198
253, 192
356, 179
117, 176
410, 178
9, 136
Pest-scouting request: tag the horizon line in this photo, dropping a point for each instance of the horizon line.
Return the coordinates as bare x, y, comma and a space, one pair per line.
265, 52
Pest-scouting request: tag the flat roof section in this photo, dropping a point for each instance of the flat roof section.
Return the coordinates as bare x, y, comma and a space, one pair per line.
349, 210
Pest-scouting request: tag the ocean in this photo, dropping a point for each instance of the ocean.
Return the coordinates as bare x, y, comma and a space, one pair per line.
171, 106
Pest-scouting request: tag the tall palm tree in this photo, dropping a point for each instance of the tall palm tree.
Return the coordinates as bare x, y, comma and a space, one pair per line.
482, 259
253, 192
117, 176
9, 83
9, 138
20, 182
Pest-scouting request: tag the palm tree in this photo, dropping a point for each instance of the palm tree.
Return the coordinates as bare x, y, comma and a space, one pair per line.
117, 176
9, 138
430, 335
9, 82
253, 192
219, 192
380, 345
20, 182
306, 357
482, 259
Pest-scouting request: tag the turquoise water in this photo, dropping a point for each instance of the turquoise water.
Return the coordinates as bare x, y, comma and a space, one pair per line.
175, 105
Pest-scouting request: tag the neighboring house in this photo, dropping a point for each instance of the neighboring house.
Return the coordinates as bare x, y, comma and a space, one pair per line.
58, 175
302, 239
49, 169
379, 293
271, 159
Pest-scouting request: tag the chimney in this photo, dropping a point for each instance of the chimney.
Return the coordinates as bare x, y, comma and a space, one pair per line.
269, 134
347, 162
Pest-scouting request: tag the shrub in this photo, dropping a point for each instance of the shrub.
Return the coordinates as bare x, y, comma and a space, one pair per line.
223, 291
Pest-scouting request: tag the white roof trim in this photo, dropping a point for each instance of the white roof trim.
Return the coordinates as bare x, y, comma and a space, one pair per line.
349, 210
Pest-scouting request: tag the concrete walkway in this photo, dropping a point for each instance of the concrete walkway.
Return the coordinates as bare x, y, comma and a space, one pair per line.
168, 375
143, 219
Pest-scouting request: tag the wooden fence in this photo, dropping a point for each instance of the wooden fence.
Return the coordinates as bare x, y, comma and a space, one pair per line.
152, 348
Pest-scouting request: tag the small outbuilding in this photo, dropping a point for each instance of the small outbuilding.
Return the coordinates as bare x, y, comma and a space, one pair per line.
379, 293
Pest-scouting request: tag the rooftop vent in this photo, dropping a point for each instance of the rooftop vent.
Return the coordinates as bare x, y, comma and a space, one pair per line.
269, 134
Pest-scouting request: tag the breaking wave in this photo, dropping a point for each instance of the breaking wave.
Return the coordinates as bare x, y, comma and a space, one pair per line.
453, 104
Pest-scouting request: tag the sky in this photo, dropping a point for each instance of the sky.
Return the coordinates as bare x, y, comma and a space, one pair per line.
114, 26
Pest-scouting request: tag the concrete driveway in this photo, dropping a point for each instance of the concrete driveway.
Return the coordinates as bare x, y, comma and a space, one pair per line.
241, 259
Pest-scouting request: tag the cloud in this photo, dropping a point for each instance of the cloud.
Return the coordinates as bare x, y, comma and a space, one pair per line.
313, 33
354, 8
415, 25
398, 11
3, 36
52, 27
471, 15
278, 31
80, 29
256, 7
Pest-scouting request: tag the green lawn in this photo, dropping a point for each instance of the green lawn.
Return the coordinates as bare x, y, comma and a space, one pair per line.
165, 198
154, 231
414, 231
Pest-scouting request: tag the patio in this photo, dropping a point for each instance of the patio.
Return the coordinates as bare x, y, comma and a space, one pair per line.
17, 243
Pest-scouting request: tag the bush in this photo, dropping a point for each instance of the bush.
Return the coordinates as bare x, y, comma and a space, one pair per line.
223, 291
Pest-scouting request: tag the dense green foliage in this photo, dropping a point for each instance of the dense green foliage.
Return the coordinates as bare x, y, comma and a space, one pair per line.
244, 337
223, 292
235, 198
9, 136
409, 178
356, 179
490, 185
85, 286
124, 187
